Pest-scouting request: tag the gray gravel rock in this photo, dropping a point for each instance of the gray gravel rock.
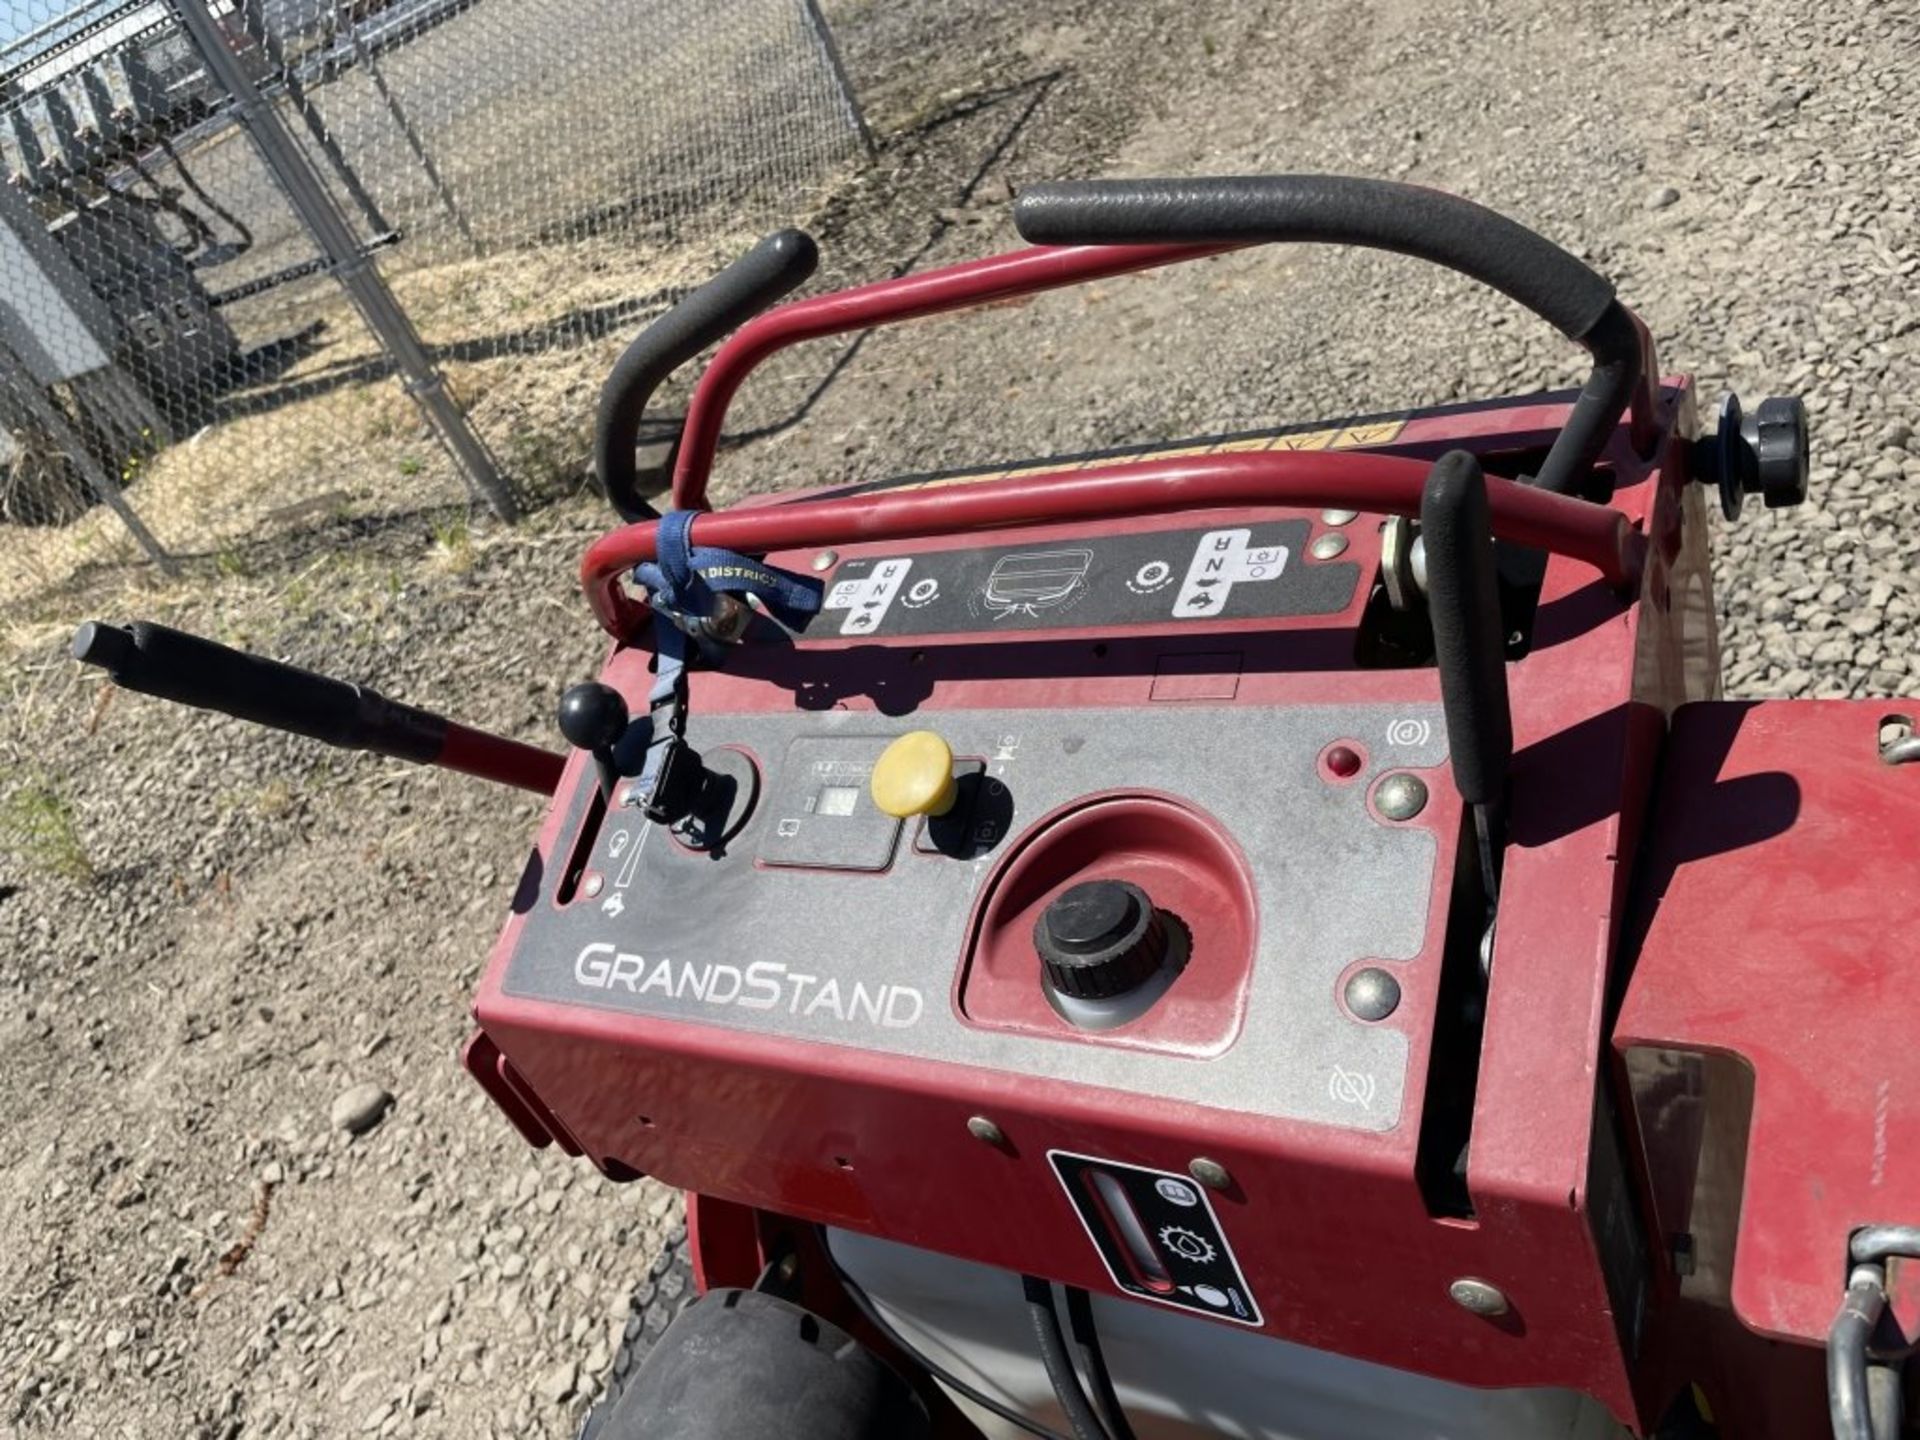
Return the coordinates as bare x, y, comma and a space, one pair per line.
359, 1108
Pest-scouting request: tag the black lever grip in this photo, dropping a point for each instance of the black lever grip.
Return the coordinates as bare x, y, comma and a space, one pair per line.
1381, 215
190, 670
749, 285
1469, 640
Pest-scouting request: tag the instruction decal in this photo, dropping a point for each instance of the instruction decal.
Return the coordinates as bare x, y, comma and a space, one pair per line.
1158, 1236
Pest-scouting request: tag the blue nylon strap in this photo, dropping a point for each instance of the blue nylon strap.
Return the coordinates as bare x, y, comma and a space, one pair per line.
687, 579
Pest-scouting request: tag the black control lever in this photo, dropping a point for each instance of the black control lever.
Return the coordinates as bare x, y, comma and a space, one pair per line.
1469, 645
191, 670
593, 717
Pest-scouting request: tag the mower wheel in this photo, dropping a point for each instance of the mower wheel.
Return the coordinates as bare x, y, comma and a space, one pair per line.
668, 1289
745, 1364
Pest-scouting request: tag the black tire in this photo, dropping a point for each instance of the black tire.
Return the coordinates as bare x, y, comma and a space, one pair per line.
668, 1289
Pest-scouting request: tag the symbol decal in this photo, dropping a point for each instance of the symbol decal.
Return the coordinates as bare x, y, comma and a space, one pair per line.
1351, 1087
1036, 580
1187, 1244
1409, 732
867, 598
1150, 577
613, 904
1223, 559
788, 828
618, 843
923, 593
1176, 1192
1212, 1295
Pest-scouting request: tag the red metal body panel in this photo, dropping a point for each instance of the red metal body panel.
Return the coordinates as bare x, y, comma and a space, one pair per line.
837, 1134
1776, 915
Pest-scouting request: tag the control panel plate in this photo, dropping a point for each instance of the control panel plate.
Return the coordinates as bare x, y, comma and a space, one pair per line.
869, 958
1256, 571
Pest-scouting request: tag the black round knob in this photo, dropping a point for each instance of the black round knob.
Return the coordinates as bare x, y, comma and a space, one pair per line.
1776, 436
593, 716
1100, 938
1762, 454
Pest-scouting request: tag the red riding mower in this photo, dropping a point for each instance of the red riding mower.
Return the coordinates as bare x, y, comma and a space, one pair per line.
1272, 935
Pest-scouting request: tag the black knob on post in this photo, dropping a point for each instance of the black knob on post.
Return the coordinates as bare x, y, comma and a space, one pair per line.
1762, 454
1100, 938
593, 717
1776, 434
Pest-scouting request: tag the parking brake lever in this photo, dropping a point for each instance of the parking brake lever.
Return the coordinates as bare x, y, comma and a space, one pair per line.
1469, 645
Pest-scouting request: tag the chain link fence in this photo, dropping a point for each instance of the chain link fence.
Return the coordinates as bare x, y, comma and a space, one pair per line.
183, 344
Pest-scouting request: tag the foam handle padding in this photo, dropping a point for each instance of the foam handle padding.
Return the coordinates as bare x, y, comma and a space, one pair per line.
1332, 209
1469, 639
749, 285
190, 670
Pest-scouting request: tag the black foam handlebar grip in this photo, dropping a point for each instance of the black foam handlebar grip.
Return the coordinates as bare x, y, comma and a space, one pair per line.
1333, 209
1381, 215
1469, 640
749, 285
190, 670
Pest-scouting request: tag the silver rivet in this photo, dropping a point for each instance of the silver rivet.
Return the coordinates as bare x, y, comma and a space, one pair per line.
1372, 994
1210, 1173
1401, 796
984, 1130
1339, 517
1478, 1296
592, 885
1328, 545
826, 560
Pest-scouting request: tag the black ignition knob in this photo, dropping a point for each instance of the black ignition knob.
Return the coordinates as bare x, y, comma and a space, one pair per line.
1100, 938
1762, 454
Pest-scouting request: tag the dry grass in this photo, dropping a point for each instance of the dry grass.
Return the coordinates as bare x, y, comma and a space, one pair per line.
523, 338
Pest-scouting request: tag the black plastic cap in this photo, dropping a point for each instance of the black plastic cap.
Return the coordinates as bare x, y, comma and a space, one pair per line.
593, 716
1776, 436
1762, 454
1099, 939
98, 643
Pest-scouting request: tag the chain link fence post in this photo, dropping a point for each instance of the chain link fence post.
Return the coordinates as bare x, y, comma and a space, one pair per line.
46, 416
822, 36
347, 262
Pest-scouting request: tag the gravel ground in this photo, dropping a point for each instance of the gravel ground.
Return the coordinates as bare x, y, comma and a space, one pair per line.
212, 939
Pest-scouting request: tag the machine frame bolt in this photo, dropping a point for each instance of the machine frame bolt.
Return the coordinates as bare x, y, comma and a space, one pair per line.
1372, 994
1339, 517
826, 560
985, 1131
591, 886
1210, 1173
1400, 796
1327, 546
1478, 1297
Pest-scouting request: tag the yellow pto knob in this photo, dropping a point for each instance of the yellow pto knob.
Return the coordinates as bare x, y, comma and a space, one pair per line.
914, 776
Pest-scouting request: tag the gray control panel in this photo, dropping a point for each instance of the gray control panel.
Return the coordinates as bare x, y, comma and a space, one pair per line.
827, 921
